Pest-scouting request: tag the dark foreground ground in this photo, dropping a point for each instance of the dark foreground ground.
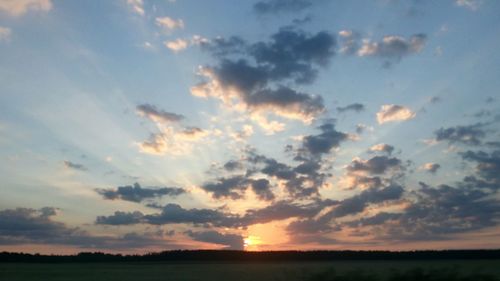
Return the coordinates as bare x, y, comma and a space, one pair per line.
444, 270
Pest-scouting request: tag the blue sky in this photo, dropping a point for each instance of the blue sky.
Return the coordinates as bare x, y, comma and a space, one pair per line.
139, 125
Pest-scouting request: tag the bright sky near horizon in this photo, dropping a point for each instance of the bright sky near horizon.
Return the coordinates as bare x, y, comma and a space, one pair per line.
140, 125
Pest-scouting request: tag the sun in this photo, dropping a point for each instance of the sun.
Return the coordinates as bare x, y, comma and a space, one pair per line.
251, 243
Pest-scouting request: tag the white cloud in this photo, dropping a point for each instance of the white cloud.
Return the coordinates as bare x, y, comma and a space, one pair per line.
169, 24
392, 112
137, 6
176, 45
20, 7
5, 33
469, 4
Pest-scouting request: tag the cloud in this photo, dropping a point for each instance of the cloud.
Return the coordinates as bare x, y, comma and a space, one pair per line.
136, 193
74, 166
470, 134
356, 107
249, 77
280, 6
121, 218
445, 210
487, 165
30, 226
177, 45
431, 167
5, 33
235, 187
392, 112
358, 203
169, 24
20, 7
350, 42
469, 4
137, 6
393, 46
376, 165
322, 143
173, 138
156, 115
382, 147
231, 241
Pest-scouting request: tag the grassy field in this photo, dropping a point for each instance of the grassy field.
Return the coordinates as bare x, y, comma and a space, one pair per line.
313, 271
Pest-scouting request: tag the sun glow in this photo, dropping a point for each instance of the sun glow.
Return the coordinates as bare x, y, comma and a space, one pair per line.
251, 243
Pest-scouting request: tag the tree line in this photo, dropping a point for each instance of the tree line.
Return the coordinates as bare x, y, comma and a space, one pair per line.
248, 256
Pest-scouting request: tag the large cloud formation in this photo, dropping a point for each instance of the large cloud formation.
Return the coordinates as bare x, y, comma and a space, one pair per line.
250, 77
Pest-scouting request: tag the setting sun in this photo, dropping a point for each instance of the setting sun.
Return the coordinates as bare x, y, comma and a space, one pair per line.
251, 243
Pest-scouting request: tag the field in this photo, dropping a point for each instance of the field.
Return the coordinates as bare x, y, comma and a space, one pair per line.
307, 271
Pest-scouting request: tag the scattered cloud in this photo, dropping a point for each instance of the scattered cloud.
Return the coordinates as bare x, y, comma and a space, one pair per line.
74, 166
5, 33
136, 193
137, 6
176, 45
169, 24
431, 167
281, 6
392, 48
469, 4
382, 147
156, 115
469, 134
356, 107
375, 165
392, 112
20, 7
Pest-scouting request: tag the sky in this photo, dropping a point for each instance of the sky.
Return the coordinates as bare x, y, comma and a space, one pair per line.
134, 126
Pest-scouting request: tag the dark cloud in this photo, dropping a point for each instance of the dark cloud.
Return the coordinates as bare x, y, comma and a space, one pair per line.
356, 107
487, 165
358, 203
173, 213
293, 54
231, 241
75, 166
445, 210
30, 226
376, 165
318, 225
262, 189
136, 193
255, 73
322, 143
280, 6
233, 187
470, 134
151, 112
222, 47
121, 218
284, 97
232, 165
282, 210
